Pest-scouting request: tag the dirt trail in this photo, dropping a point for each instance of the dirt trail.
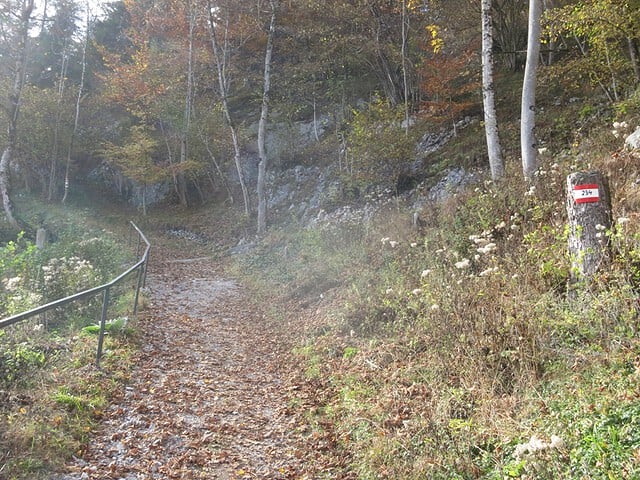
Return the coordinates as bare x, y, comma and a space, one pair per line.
208, 397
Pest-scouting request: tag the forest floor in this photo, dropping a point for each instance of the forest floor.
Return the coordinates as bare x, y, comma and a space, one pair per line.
214, 393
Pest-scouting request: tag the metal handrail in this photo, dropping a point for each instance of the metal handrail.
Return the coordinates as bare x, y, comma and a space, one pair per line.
141, 266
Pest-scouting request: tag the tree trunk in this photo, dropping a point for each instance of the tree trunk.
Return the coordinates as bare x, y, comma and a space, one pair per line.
633, 55
222, 82
5, 187
74, 132
62, 83
13, 110
589, 213
188, 106
262, 166
494, 150
405, 32
528, 108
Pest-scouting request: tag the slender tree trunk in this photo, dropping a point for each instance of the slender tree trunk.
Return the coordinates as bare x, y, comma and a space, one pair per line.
528, 107
262, 166
386, 71
633, 55
5, 186
67, 170
188, 105
494, 150
13, 110
62, 84
405, 32
170, 157
222, 81
205, 141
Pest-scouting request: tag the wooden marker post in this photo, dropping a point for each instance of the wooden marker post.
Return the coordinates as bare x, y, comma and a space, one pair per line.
41, 238
589, 212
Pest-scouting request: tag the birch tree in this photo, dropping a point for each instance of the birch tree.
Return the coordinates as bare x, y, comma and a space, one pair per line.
488, 95
528, 107
220, 55
15, 29
262, 166
76, 119
62, 45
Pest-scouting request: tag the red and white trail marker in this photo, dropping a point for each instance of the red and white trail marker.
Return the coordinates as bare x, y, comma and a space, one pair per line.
588, 193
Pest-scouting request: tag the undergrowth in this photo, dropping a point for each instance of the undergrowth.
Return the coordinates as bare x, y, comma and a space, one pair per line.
461, 349
51, 393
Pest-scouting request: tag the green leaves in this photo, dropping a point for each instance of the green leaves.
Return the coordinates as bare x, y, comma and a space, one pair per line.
602, 32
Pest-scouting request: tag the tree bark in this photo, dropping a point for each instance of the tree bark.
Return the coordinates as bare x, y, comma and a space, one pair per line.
262, 166
633, 55
188, 106
494, 150
405, 81
222, 82
589, 213
13, 110
62, 84
74, 132
528, 108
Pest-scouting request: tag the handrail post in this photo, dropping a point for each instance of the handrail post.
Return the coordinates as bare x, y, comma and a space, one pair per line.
103, 323
138, 287
145, 264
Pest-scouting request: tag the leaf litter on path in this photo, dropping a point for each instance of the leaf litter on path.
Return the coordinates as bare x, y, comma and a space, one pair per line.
208, 396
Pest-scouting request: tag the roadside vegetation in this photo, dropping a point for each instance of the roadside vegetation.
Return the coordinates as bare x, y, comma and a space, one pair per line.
441, 341
460, 349
52, 395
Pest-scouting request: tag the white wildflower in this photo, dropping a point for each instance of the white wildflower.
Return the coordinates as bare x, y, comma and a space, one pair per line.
536, 444
600, 227
389, 291
413, 245
488, 271
480, 241
425, 273
416, 291
623, 220
435, 307
488, 248
464, 263
556, 442
393, 243
12, 284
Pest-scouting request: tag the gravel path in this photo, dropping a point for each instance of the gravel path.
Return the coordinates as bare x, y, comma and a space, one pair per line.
208, 397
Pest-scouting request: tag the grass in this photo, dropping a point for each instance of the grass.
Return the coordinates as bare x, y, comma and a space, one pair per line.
439, 356
51, 393
430, 354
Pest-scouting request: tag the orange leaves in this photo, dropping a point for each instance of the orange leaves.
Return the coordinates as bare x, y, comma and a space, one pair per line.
210, 396
449, 82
